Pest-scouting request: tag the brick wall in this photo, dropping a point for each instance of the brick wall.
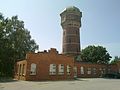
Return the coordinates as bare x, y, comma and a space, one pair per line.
43, 61
90, 70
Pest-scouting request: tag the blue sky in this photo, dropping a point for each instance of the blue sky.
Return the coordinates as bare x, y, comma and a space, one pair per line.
100, 21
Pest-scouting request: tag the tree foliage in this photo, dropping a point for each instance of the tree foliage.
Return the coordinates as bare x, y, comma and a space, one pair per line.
95, 54
115, 60
15, 42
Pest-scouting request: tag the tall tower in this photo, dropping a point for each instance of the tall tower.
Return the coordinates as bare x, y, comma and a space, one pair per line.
71, 22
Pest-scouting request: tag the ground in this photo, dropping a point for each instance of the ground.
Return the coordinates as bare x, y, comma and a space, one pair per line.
80, 84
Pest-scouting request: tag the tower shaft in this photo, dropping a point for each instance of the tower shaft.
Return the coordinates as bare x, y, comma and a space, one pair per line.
71, 23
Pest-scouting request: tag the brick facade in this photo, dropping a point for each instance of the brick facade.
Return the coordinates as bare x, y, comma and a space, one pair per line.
43, 60
71, 22
53, 66
94, 70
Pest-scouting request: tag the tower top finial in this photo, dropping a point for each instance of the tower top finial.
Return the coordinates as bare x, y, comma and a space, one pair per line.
72, 8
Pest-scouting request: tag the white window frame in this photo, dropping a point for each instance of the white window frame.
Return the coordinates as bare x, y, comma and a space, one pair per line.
82, 70
61, 69
75, 71
52, 69
33, 69
94, 71
88, 70
68, 69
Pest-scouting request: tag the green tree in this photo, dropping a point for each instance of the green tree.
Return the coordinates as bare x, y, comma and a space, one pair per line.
15, 42
95, 54
115, 60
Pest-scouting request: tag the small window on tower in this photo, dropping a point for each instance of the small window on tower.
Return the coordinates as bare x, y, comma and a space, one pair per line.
76, 32
69, 40
63, 32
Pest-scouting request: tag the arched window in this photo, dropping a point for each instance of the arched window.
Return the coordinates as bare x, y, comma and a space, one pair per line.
33, 69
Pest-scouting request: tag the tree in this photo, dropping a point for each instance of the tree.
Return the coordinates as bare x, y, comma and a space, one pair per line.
95, 54
115, 60
15, 42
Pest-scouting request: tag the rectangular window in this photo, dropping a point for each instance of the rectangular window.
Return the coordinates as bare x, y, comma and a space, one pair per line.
101, 71
75, 71
94, 70
68, 69
52, 69
109, 70
33, 69
89, 71
104, 70
82, 70
61, 69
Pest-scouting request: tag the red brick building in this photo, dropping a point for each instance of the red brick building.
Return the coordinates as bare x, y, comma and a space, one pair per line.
90, 70
54, 66
45, 66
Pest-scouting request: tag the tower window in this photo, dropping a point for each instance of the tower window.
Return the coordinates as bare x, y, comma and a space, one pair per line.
63, 32
69, 40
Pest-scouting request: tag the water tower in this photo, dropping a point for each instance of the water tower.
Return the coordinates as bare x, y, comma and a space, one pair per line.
71, 23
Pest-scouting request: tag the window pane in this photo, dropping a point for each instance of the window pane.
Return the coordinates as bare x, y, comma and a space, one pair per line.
33, 69
61, 69
52, 69
82, 70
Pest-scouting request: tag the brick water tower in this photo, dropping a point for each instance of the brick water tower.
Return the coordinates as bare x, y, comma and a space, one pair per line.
71, 23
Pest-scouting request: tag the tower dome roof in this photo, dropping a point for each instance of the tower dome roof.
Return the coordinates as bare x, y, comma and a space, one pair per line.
72, 8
